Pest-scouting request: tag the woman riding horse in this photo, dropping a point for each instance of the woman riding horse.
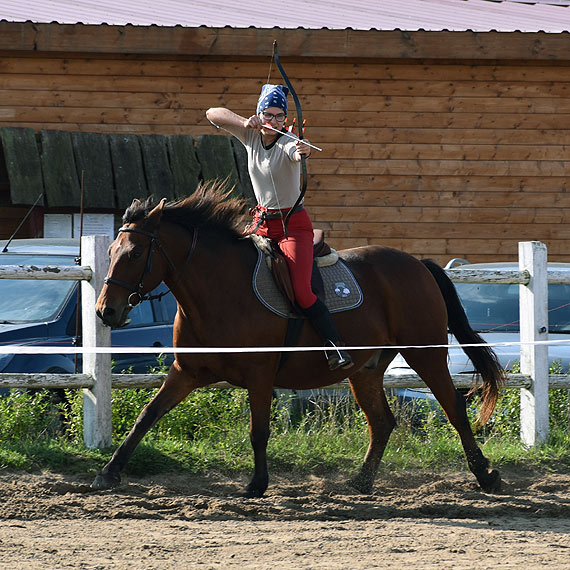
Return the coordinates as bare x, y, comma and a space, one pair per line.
196, 246
273, 164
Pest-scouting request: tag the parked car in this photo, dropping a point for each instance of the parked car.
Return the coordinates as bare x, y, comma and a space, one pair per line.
44, 312
493, 311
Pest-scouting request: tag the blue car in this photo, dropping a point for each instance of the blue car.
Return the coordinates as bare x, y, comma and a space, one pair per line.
44, 312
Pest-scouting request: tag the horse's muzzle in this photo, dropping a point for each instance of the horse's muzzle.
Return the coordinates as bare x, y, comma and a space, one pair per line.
113, 318
106, 315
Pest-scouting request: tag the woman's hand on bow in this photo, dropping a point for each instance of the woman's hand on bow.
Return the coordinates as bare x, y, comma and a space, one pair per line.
302, 149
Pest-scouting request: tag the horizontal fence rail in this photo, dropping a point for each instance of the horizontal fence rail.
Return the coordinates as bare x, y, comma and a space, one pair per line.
65, 272
507, 277
534, 381
52, 381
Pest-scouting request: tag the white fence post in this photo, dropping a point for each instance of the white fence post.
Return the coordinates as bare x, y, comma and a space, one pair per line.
534, 358
97, 418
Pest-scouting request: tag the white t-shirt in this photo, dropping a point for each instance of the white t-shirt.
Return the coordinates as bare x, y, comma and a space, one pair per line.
274, 172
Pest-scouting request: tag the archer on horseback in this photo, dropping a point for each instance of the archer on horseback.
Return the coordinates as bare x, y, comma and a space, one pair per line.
274, 164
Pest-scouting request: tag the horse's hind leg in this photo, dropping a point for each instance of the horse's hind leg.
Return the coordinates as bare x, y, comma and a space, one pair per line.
175, 388
431, 365
369, 393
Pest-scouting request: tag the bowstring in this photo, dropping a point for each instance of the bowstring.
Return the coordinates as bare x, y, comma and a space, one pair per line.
270, 65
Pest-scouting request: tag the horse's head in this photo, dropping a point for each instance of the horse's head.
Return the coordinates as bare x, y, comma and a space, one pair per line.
134, 268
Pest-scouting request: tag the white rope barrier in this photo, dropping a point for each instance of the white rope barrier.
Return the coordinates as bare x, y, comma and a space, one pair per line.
13, 349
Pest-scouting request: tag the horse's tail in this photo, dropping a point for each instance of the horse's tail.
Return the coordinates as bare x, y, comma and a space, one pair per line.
483, 357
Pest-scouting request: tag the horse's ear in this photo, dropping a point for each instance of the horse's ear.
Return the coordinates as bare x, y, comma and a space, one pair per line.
155, 214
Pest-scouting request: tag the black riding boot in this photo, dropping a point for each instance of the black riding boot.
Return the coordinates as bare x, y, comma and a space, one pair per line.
321, 319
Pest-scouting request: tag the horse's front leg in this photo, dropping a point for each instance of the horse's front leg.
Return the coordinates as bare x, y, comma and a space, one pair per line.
260, 406
175, 388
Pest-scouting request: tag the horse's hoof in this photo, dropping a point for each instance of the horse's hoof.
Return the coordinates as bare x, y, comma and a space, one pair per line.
257, 487
491, 483
105, 481
253, 492
362, 484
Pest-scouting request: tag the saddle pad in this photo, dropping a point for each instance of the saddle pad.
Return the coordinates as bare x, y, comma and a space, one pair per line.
342, 292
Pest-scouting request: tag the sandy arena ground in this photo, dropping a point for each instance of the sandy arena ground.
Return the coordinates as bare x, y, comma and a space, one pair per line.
413, 520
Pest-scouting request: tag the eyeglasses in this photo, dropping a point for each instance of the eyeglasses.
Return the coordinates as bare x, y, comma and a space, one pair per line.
280, 117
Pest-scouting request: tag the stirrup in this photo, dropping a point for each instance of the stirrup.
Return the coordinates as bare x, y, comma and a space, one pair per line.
336, 357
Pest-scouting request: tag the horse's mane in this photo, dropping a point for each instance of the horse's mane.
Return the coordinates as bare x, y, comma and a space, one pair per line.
209, 206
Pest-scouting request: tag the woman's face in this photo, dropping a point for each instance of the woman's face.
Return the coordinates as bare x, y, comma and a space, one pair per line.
273, 116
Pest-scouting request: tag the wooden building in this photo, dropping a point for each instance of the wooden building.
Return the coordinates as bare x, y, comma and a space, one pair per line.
443, 144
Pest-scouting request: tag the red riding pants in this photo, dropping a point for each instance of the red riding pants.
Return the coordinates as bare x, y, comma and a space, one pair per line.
297, 249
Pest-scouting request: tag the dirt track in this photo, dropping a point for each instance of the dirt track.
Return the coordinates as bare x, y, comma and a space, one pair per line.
413, 520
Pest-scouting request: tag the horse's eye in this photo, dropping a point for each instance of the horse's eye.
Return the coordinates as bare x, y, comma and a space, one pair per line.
135, 254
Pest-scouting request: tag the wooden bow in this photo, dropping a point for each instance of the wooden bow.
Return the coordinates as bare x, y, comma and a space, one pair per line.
301, 136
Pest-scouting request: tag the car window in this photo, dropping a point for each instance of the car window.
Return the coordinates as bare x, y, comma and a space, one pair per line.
490, 306
495, 307
164, 307
32, 300
169, 307
141, 315
559, 308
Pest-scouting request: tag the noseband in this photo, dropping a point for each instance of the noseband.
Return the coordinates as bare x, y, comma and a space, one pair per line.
136, 297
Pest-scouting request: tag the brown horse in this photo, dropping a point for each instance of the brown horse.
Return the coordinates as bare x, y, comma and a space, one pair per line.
197, 247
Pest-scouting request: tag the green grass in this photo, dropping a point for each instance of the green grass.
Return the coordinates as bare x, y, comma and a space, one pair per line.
209, 431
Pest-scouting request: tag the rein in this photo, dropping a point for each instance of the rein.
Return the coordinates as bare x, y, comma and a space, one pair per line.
136, 297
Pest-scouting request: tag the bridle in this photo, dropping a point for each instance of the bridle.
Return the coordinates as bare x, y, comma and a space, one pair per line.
136, 297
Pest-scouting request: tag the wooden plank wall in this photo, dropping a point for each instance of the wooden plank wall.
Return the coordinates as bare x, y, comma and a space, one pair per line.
107, 171
440, 159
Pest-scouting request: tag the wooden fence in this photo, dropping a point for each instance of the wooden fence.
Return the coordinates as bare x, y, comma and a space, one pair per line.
97, 380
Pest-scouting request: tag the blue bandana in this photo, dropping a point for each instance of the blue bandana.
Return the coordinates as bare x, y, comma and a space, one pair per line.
273, 96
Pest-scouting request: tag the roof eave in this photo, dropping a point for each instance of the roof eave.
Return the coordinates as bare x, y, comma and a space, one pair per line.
254, 42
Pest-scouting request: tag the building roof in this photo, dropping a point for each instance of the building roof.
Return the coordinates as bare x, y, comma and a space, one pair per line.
551, 16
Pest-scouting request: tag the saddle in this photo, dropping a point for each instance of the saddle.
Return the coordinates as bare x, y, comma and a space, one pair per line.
323, 256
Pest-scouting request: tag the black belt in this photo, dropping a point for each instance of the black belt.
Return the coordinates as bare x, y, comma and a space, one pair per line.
265, 215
